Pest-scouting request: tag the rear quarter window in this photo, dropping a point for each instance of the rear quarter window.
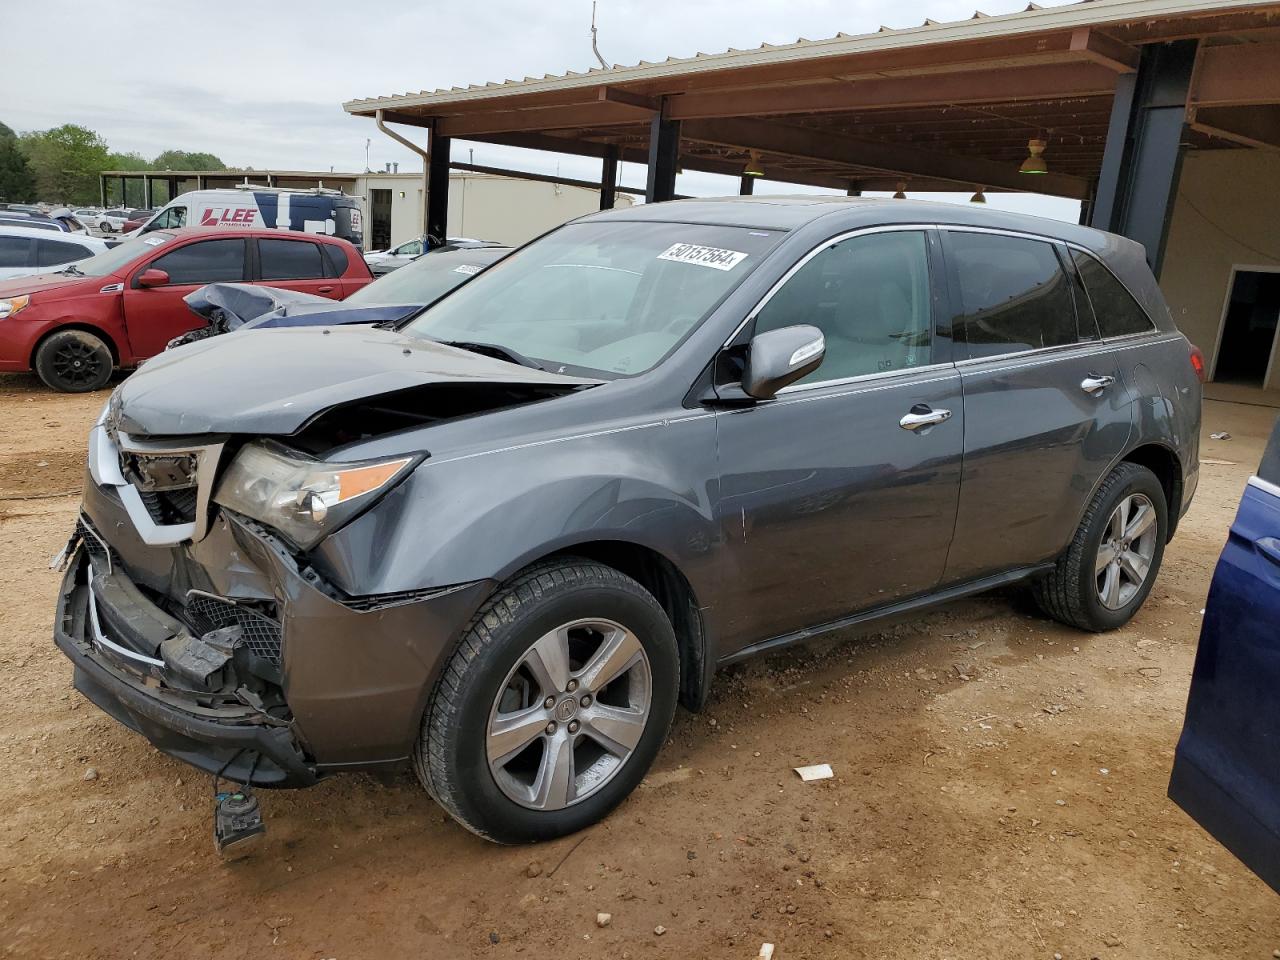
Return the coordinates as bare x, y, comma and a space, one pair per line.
1117, 313
337, 258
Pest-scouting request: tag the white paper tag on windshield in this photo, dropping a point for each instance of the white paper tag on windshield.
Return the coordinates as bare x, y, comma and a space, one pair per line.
153, 241
470, 269
713, 257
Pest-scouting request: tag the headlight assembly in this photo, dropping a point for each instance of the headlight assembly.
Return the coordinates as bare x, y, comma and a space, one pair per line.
304, 499
11, 305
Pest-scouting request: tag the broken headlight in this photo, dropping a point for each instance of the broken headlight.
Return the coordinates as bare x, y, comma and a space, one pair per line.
304, 499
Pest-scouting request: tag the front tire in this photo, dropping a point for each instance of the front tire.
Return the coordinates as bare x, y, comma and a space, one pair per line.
73, 361
554, 705
1107, 572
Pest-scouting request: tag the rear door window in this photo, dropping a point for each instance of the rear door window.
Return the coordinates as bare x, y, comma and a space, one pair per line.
15, 252
1117, 313
1013, 294
52, 253
207, 261
290, 260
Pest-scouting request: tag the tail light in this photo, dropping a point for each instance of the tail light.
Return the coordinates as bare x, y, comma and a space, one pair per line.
1197, 362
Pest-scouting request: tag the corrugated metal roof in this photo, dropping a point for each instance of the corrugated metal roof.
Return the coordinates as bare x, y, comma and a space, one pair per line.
1033, 19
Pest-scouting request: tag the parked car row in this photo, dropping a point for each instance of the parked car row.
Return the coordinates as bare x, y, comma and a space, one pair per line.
125, 304
497, 539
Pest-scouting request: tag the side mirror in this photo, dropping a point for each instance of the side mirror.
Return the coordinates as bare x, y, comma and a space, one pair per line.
778, 358
151, 277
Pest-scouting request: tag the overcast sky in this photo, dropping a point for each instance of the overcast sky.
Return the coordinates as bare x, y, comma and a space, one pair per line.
262, 84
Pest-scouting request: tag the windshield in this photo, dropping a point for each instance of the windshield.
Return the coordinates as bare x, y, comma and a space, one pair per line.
421, 282
109, 261
605, 297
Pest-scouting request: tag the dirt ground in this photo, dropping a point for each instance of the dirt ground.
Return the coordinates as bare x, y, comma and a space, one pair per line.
999, 792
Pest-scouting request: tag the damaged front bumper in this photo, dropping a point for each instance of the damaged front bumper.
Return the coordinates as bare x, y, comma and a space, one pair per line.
239, 741
230, 654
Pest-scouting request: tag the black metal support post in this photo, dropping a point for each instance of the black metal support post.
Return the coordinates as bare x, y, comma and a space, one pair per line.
664, 157
438, 188
1143, 155
609, 177
746, 185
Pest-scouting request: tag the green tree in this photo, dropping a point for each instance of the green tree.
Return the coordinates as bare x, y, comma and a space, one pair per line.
16, 182
127, 161
182, 160
66, 162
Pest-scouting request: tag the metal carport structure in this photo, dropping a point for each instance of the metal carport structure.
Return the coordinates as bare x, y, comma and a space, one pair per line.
1117, 89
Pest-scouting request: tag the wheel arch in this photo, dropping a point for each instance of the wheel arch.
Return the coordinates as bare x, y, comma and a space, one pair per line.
673, 591
84, 328
1164, 463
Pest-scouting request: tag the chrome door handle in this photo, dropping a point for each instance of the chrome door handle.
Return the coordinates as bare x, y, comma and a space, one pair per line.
1095, 385
922, 417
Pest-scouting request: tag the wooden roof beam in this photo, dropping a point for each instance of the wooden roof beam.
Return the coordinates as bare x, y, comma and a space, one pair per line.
1238, 74
600, 113
789, 140
1052, 82
1105, 50
590, 148
1256, 126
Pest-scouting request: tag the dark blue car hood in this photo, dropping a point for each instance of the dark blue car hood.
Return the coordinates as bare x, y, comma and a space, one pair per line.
333, 313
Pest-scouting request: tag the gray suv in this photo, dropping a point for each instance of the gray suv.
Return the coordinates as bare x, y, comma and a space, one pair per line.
503, 540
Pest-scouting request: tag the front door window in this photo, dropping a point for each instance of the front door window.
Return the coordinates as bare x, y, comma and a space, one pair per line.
870, 297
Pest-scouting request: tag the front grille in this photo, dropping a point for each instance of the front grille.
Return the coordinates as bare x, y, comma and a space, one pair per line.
260, 633
170, 506
97, 548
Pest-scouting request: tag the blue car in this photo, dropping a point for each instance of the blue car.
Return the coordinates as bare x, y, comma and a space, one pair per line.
1226, 772
388, 300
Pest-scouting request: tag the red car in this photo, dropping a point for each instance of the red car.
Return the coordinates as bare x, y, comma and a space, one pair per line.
122, 306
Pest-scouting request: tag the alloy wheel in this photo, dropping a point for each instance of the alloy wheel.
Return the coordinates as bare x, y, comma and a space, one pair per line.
1125, 553
569, 714
76, 363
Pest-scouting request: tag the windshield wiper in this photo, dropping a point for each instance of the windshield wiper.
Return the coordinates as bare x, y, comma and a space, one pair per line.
72, 270
494, 350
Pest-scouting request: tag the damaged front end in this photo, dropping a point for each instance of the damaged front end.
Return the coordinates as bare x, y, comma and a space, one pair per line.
206, 688
216, 598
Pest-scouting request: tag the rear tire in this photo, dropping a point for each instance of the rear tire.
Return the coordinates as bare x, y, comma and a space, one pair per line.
1105, 575
554, 705
73, 361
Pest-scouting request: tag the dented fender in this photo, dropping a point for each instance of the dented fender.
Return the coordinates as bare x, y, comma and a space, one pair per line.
487, 515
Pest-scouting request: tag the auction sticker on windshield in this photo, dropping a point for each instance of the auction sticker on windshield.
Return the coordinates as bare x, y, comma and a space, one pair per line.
713, 257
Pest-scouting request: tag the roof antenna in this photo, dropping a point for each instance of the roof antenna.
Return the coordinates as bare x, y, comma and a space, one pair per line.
595, 49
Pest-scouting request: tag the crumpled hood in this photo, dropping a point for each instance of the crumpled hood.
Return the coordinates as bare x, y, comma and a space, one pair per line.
333, 313
273, 381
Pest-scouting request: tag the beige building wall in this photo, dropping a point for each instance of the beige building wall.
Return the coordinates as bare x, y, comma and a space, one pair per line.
485, 206
1227, 214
